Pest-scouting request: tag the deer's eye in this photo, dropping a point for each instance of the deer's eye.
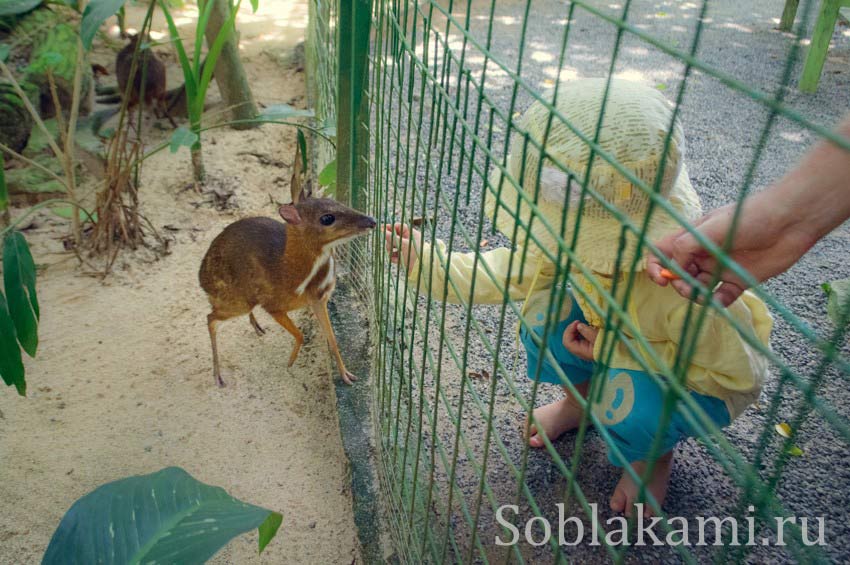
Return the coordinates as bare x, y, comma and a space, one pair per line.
327, 219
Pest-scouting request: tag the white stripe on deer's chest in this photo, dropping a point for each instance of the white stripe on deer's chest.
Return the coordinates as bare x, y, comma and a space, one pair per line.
327, 283
317, 264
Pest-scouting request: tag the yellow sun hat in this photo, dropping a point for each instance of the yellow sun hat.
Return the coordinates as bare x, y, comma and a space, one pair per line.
633, 132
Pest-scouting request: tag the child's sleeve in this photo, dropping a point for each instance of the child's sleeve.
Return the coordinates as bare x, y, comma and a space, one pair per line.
453, 281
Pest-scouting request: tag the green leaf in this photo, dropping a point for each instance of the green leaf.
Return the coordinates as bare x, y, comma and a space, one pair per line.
283, 112
795, 451
181, 137
206, 8
164, 517
65, 212
255, 4
838, 300
94, 15
19, 283
268, 529
11, 364
328, 175
51, 60
4, 52
189, 79
302, 144
15, 7
215, 50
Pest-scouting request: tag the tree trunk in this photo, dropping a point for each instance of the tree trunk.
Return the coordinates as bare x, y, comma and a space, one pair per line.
229, 72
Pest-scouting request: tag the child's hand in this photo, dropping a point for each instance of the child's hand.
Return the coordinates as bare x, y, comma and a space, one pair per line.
579, 339
403, 243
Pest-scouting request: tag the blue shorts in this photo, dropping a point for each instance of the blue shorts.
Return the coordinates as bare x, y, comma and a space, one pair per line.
631, 404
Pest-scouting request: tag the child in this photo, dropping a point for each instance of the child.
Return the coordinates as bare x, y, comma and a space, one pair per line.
725, 373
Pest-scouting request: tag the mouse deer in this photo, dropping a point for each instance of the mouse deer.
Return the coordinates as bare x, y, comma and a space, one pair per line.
280, 267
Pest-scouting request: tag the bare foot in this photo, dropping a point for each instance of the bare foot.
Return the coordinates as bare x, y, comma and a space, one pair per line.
556, 419
626, 492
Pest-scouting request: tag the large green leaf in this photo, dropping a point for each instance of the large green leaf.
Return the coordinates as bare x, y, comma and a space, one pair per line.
11, 365
838, 299
164, 517
95, 14
15, 7
19, 282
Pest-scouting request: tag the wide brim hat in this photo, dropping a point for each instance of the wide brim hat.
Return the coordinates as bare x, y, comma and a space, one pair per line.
634, 133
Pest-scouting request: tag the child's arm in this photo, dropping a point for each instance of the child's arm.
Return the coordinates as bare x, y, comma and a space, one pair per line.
491, 273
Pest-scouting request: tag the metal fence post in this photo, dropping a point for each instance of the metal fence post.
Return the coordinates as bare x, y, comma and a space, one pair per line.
353, 30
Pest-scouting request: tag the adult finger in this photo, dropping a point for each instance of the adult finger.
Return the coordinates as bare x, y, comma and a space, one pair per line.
653, 262
727, 293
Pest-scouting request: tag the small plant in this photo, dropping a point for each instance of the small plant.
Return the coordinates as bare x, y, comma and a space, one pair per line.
19, 316
165, 517
119, 222
197, 74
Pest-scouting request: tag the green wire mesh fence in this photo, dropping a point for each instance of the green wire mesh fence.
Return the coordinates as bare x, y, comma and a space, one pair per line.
448, 113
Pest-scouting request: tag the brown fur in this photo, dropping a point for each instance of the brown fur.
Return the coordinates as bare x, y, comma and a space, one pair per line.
263, 262
154, 74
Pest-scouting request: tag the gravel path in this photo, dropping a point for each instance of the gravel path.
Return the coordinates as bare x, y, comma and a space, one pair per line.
722, 129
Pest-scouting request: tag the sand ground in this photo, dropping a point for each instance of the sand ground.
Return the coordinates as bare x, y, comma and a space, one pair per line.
122, 383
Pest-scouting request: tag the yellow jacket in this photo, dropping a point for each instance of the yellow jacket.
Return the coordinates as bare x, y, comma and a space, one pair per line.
723, 365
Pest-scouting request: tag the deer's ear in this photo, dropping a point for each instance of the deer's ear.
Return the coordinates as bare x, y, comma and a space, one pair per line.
289, 213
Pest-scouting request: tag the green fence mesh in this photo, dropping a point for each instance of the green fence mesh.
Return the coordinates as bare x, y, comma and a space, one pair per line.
431, 98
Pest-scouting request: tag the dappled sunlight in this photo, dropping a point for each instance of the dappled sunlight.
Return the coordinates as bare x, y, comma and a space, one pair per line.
736, 27
793, 136
542, 56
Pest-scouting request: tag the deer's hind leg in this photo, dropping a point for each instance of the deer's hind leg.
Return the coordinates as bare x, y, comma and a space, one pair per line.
221, 311
284, 320
212, 321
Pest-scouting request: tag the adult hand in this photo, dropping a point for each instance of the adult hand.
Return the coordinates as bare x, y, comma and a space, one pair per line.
766, 243
776, 226
403, 244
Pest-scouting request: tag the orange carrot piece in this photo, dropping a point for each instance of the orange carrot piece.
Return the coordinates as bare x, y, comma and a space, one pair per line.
669, 275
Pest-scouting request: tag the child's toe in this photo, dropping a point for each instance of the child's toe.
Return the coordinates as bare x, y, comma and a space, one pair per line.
618, 500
